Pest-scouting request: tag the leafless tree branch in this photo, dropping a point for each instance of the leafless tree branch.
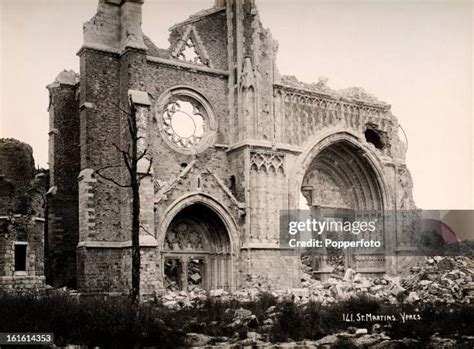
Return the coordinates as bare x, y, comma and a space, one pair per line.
101, 175
117, 147
142, 155
146, 231
143, 175
108, 167
120, 108
126, 157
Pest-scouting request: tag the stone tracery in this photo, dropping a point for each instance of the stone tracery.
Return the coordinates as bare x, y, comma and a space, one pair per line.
267, 162
184, 122
191, 49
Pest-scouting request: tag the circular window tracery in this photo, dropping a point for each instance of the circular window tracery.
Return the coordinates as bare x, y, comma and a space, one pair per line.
183, 123
186, 120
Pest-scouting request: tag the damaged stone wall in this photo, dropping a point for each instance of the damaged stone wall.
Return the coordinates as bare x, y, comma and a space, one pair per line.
17, 170
22, 205
64, 162
207, 31
257, 142
142, 71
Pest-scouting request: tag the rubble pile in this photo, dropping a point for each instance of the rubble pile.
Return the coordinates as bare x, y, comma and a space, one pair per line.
173, 274
194, 274
441, 279
434, 280
335, 263
351, 338
183, 299
171, 279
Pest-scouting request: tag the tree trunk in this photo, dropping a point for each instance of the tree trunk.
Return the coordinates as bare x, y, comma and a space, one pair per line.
136, 245
135, 184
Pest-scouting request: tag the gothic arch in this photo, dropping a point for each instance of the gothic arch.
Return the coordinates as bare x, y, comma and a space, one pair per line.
341, 178
324, 141
206, 200
218, 246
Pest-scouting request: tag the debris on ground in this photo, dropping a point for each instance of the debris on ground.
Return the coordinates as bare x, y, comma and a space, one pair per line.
433, 280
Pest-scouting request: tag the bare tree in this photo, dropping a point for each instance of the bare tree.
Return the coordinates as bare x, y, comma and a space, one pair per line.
131, 157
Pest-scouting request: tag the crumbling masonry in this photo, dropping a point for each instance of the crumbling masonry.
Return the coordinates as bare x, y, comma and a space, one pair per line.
231, 141
22, 208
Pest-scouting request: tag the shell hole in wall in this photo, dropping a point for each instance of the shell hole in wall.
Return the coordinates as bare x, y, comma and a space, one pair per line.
372, 136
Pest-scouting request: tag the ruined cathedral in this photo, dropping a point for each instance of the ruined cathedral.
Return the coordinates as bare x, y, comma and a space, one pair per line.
230, 143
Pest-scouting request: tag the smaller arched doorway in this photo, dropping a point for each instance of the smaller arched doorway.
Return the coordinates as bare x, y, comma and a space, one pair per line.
197, 251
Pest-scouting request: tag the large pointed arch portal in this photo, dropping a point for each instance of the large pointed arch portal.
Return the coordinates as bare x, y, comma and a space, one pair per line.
341, 177
340, 181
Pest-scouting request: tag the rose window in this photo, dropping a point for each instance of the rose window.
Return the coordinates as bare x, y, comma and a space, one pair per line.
183, 123
186, 120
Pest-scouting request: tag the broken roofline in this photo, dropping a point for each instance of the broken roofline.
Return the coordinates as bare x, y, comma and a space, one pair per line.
197, 17
352, 95
335, 95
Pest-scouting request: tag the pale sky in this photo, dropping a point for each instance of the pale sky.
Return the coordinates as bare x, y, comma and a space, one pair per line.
417, 56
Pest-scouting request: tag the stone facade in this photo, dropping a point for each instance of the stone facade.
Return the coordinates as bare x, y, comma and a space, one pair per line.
22, 203
231, 143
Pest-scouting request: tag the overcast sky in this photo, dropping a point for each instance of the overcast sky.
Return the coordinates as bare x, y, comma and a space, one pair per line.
417, 56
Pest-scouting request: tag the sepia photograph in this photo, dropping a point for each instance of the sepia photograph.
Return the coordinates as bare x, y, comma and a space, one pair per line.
236, 174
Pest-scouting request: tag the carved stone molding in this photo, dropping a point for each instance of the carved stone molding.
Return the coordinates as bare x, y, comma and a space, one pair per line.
162, 189
183, 237
290, 95
221, 184
267, 161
